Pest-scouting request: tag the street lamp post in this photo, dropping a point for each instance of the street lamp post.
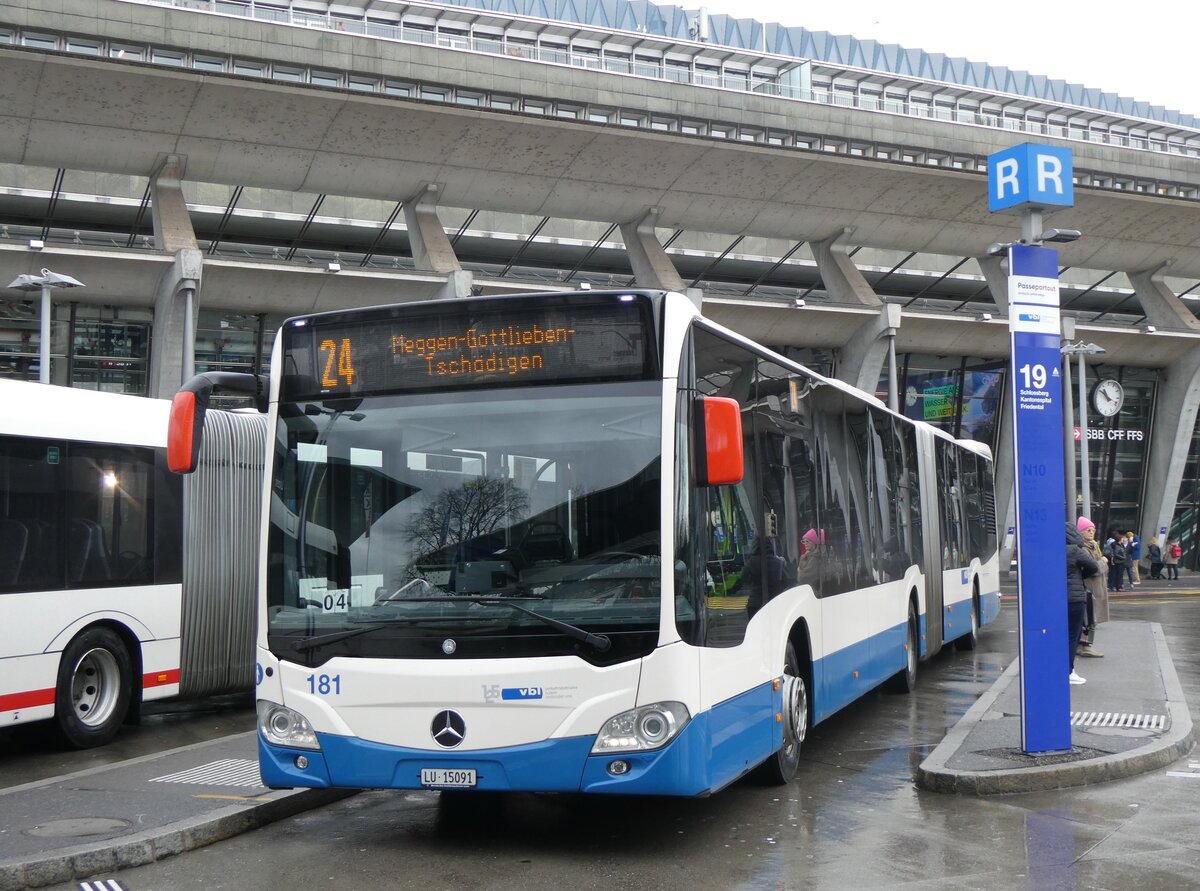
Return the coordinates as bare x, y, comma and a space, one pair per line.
1080, 350
45, 283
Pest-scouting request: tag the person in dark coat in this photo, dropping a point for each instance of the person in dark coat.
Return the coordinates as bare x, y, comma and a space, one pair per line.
1080, 565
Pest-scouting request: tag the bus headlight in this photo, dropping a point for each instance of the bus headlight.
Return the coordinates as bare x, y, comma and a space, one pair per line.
642, 729
281, 726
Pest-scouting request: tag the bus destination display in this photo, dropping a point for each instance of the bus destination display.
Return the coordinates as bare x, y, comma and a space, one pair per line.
411, 349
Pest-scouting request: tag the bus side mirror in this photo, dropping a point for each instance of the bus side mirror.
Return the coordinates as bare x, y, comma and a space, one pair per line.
185, 428
719, 457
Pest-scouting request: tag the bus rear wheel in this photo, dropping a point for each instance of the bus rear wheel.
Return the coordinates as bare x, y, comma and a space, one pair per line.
970, 640
780, 768
94, 687
905, 680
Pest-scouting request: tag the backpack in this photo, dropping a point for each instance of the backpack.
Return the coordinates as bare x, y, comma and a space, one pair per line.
1176, 551
1115, 552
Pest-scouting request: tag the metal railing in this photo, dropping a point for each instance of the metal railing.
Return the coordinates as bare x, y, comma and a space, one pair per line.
750, 83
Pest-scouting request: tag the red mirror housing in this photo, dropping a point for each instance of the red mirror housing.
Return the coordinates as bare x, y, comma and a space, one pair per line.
720, 460
185, 429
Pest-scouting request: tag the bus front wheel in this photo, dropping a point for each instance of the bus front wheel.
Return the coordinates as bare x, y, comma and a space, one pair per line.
93, 690
780, 768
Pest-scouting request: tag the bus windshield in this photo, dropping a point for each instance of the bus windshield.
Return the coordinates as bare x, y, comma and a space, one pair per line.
473, 523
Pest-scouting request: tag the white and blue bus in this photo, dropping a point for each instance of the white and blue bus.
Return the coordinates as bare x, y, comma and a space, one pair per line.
586, 541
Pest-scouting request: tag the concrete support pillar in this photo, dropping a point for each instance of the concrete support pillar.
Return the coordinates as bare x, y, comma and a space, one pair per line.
1005, 477
458, 284
172, 226
1162, 308
996, 277
431, 249
860, 360
652, 268
843, 282
172, 344
1170, 438
177, 303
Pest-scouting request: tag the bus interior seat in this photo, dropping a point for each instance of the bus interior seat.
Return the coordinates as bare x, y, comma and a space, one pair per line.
14, 540
87, 560
546, 542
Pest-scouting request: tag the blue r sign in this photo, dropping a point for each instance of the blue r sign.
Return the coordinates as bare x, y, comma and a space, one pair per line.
1029, 175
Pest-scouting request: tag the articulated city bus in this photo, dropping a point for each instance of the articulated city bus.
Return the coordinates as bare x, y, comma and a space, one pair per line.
585, 541
101, 605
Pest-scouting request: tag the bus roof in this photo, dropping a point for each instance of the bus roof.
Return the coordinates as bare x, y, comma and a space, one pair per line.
29, 409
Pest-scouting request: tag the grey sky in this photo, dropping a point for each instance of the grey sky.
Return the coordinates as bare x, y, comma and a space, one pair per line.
1144, 50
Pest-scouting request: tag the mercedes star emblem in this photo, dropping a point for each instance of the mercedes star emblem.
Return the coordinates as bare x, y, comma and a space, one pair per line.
448, 729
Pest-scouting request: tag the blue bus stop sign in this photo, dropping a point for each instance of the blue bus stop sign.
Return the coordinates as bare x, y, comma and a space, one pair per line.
1036, 391
1029, 175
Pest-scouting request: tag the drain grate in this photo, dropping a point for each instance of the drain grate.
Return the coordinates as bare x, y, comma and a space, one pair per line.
1115, 719
229, 772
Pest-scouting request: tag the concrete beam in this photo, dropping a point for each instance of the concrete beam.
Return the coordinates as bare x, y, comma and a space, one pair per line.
172, 225
431, 249
458, 284
843, 282
652, 268
996, 276
1175, 409
860, 360
1162, 308
176, 307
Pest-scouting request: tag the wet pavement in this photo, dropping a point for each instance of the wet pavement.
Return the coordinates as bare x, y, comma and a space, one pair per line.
855, 785
1130, 717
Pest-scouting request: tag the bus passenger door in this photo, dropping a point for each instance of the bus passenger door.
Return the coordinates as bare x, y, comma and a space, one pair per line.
931, 510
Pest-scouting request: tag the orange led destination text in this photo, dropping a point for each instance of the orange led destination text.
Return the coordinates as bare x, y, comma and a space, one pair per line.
510, 349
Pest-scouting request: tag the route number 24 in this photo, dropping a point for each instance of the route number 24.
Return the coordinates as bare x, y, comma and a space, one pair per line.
339, 363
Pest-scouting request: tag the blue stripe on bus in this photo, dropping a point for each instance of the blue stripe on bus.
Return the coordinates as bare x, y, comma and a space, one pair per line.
713, 750
844, 676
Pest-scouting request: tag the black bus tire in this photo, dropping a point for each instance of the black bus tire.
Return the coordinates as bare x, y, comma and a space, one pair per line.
970, 640
95, 678
905, 680
780, 768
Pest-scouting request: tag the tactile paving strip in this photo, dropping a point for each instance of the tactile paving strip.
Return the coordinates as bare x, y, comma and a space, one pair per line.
228, 772
1114, 719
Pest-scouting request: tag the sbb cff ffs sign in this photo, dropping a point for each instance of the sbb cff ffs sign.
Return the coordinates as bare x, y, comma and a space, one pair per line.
1029, 175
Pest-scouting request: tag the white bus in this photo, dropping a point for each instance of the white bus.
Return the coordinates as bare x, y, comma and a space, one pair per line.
586, 542
100, 607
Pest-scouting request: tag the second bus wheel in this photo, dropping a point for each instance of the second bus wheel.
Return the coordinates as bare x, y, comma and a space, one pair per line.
970, 640
905, 680
93, 690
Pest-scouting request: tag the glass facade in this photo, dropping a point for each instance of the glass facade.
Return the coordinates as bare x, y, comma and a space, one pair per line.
1118, 446
108, 348
93, 347
958, 394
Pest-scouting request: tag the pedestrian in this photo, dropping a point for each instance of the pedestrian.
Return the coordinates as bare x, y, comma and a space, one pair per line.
1171, 558
1156, 559
1080, 566
1135, 558
1129, 576
1097, 594
1114, 550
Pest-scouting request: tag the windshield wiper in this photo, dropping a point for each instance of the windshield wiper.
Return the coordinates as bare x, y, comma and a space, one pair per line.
311, 643
600, 642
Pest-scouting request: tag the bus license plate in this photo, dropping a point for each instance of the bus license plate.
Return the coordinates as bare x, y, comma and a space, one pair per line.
447, 777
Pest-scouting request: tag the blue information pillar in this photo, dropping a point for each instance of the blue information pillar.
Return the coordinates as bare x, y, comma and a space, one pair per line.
1036, 389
